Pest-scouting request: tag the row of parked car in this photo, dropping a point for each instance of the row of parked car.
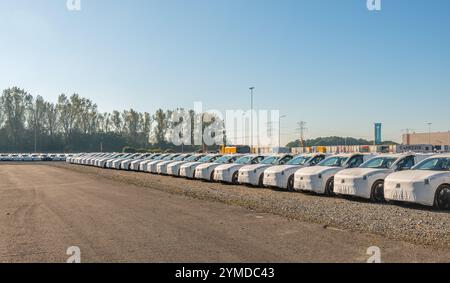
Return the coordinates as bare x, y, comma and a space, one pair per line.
409, 177
34, 157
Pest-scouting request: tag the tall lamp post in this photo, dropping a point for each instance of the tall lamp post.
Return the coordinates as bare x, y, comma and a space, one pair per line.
279, 130
251, 118
429, 132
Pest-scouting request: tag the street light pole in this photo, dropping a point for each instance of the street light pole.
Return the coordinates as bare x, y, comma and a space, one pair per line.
251, 118
279, 130
429, 132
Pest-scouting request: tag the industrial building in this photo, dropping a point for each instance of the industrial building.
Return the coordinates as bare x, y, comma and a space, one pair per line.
434, 138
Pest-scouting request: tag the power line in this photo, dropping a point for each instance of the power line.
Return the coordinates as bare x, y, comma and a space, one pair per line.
302, 128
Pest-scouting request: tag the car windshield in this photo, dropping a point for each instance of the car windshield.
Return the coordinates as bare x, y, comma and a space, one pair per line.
434, 164
380, 163
334, 161
193, 158
244, 160
170, 157
299, 160
224, 159
208, 158
269, 160
181, 157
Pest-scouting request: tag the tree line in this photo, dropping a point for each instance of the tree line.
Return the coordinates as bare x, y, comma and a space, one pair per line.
74, 124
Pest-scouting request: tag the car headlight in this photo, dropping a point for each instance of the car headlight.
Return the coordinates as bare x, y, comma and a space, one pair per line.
427, 181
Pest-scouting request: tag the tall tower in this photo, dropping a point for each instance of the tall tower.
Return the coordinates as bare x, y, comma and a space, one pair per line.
377, 139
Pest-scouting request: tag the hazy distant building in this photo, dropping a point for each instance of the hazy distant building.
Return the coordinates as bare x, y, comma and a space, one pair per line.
436, 138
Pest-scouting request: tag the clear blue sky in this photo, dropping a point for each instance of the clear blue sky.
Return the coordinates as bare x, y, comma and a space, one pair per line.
331, 63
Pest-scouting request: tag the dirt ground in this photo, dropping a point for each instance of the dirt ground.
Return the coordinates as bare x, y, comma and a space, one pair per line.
47, 208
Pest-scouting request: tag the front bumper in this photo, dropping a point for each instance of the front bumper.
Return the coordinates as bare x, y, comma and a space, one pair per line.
162, 169
203, 174
187, 172
412, 192
352, 187
275, 181
249, 178
223, 176
173, 170
310, 183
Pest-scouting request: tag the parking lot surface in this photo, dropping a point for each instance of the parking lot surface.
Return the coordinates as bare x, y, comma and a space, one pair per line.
47, 208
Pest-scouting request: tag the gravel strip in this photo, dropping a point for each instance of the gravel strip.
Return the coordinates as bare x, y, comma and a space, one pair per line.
410, 223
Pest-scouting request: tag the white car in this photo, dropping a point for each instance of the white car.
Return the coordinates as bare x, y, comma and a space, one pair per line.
229, 173
6, 157
428, 183
206, 171
91, 159
188, 170
367, 181
152, 166
115, 164
282, 176
143, 164
102, 161
126, 164
320, 179
79, 159
174, 168
17, 157
111, 163
254, 174
161, 168
136, 164
27, 157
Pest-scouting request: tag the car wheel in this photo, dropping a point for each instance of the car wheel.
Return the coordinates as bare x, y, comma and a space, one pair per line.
211, 178
442, 200
261, 180
329, 187
235, 177
377, 193
290, 184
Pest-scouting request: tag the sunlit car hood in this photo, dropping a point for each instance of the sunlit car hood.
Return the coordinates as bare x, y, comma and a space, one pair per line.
155, 162
319, 170
255, 166
417, 175
228, 166
281, 168
206, 165
175, 163
360, 172
190, 164
165, 162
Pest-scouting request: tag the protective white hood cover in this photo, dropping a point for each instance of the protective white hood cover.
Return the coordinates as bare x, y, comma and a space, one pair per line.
175, 163
281, 168
359, 172
190, 164
228, 166
206, 165
154, 162
165, 162
314, 170
416, 175
255, 166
